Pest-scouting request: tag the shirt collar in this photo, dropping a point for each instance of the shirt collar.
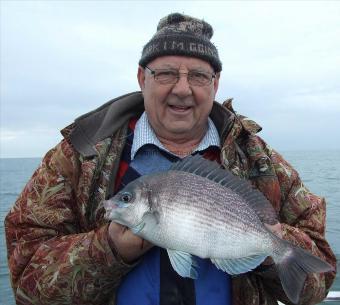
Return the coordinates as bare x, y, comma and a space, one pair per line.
144, 134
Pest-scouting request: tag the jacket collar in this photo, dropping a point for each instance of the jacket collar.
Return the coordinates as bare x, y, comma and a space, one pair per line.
104, 121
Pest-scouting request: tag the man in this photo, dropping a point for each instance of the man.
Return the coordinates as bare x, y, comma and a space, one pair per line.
62, 251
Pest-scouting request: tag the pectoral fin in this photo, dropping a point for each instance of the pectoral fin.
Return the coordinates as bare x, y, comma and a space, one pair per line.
238, 265
183, 263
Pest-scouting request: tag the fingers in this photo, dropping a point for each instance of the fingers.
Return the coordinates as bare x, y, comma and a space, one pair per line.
128, 245
268, 261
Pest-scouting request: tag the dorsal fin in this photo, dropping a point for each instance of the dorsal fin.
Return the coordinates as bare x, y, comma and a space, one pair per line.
211, 170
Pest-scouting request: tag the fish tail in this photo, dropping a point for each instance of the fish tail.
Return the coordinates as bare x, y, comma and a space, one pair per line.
293, 264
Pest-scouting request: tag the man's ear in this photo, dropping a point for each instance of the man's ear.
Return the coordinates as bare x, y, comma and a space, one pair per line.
216, 81
141, 77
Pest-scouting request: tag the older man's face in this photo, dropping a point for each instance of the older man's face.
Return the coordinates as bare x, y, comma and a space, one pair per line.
177, 111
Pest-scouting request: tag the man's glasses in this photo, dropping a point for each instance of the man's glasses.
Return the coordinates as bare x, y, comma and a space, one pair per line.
171, 76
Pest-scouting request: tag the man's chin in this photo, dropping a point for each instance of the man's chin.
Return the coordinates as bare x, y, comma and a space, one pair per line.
180, 129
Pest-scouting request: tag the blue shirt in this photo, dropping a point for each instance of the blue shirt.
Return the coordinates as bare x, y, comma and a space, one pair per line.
142, 285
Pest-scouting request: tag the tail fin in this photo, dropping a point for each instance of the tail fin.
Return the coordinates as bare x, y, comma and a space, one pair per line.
293, 265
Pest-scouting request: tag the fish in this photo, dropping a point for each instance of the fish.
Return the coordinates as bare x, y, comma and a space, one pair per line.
198, 209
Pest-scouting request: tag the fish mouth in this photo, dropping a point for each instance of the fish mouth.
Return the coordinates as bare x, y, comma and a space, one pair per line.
110, 209
109, 205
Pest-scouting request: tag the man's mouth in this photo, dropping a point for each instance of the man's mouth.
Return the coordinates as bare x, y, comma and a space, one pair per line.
178, 108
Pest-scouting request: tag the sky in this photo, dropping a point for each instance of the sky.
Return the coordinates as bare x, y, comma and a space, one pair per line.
61, 59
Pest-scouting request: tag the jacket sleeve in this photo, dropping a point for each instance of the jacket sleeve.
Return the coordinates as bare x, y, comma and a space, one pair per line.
52, 260
303, 217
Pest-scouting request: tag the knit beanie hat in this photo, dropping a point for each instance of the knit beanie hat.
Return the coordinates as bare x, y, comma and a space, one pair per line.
179, 34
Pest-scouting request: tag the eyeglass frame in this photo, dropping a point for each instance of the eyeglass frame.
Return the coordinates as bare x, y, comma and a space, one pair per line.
153, 72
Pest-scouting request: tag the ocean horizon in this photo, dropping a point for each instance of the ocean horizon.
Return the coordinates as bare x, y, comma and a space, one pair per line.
283, 152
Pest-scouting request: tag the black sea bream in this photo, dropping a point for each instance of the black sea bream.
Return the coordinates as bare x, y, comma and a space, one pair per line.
199, 209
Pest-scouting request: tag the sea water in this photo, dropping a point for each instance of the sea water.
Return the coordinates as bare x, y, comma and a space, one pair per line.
320, 171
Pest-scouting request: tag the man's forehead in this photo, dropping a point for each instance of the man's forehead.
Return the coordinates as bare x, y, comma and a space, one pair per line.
177, 62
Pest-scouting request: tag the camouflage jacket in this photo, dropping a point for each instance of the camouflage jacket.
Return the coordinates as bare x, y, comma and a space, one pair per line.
58, 251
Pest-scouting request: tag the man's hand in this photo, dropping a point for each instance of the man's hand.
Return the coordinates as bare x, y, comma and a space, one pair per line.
277, 230
128, 245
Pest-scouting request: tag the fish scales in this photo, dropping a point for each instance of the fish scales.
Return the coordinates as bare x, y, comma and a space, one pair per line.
216, 205
208, 201
208, 217
212, 208
198, 209
199, 216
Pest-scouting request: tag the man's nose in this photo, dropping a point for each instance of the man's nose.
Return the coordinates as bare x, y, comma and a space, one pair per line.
182, 87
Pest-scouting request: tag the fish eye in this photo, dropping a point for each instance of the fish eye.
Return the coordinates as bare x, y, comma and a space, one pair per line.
126, 197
